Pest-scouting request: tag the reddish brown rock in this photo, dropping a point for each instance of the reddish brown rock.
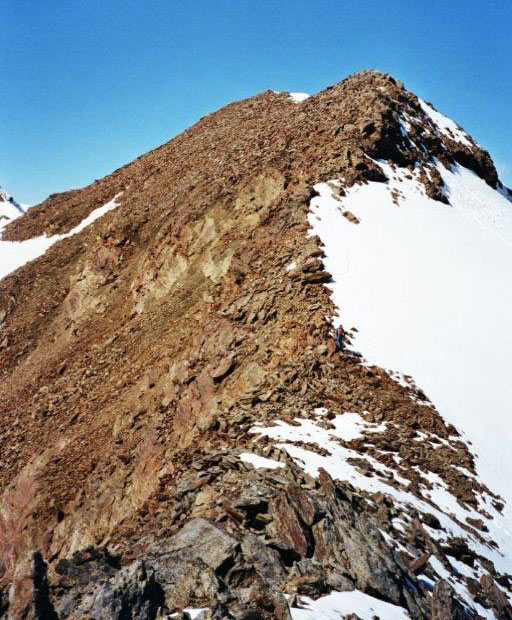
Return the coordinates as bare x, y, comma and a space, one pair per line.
137, 355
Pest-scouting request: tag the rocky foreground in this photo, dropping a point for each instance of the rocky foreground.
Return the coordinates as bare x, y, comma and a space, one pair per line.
143, 360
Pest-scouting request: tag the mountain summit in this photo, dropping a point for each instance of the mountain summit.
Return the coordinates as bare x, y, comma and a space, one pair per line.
179, 434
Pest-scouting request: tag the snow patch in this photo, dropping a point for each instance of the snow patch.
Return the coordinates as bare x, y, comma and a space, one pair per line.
260, 461
299, 97
336, 605
332, 455
192, 612
351, 426
15, 254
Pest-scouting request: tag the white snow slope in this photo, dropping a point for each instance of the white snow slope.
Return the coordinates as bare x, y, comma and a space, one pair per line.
14, 254
429, 288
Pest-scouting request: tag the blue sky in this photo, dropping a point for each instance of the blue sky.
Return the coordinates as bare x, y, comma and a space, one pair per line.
89, 85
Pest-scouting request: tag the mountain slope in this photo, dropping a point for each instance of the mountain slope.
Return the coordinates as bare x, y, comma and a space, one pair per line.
9, 209
176, 430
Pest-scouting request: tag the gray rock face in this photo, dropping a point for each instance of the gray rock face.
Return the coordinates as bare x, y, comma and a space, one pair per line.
281, 535
445, 606
129, 592
265, 559
185, 579
199, 539
181, 571
132, 593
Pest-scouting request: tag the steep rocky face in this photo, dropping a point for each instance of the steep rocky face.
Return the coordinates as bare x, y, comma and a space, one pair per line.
140, 356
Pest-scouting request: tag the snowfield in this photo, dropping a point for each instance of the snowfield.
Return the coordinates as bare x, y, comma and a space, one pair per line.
429, 288
15, 254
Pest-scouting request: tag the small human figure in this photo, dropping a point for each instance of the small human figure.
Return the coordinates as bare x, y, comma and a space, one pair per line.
340, 338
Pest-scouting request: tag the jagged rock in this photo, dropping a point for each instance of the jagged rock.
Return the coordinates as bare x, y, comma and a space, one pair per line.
444, 605
419, 564
172, 582
173, 575
350, 540
199, 539
136, 593
132, 593
496, 599
350, 217
295, 273
87, 567
288, 527
431, 520
305, 508
312, 265
224, 369
307, 578
266, 560
185, 580
92, 585
43, 607
317, 277
261, 601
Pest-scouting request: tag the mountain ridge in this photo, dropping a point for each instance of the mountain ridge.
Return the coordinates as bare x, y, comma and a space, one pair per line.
9, 209
139, 354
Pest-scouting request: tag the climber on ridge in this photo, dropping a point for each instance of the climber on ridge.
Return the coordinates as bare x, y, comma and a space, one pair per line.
340, 338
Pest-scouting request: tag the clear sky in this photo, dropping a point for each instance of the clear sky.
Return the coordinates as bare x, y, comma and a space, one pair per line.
88, 85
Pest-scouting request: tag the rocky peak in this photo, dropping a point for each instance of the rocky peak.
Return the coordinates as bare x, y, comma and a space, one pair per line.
144, 359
